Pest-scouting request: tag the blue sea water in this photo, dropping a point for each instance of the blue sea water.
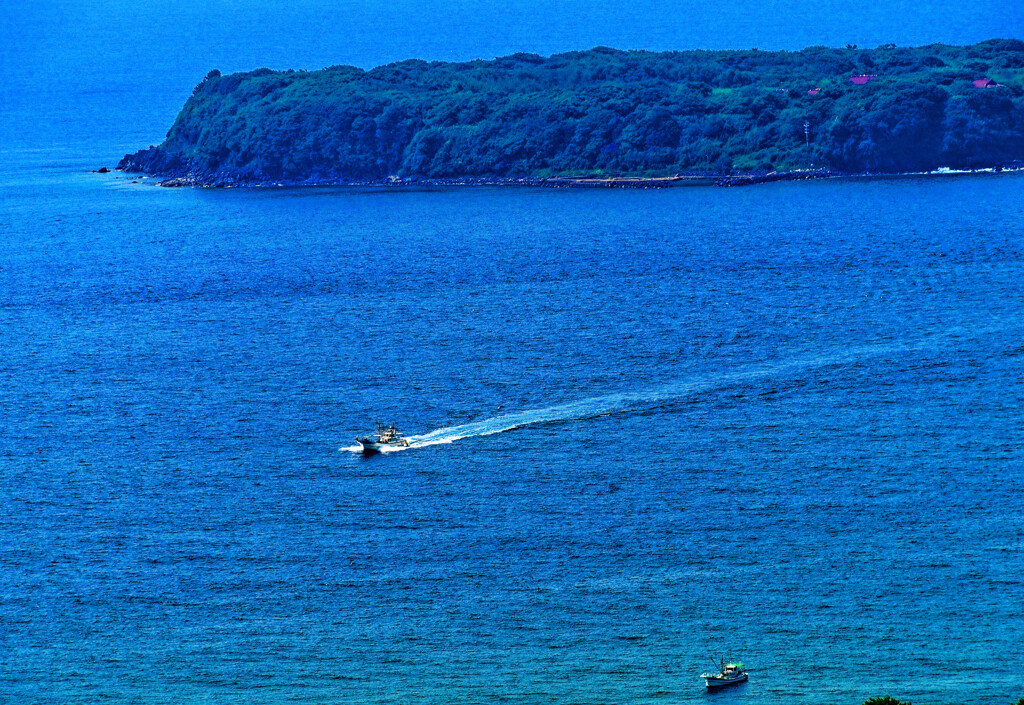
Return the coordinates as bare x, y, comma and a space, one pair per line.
781, 422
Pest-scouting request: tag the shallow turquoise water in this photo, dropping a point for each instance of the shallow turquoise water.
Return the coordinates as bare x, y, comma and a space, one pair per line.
781, 422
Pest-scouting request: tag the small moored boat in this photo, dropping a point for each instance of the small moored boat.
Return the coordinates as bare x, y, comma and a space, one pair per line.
386, 437
728, 673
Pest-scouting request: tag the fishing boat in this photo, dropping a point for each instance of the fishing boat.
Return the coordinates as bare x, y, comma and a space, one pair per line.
386, 437
728, 674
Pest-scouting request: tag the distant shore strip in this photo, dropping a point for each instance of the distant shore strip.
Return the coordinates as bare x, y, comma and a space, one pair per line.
583, 182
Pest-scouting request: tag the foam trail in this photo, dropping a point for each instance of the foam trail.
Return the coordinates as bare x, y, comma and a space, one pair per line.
583, 409
571, 411
615, 403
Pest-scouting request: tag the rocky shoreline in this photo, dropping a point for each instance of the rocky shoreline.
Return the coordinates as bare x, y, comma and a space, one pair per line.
201, 180
175, 178
178, 172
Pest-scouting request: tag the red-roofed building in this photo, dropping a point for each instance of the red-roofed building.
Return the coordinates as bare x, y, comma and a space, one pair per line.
985, 83
862, 79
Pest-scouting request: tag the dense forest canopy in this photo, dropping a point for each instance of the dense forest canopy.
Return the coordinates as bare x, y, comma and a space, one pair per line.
606, 112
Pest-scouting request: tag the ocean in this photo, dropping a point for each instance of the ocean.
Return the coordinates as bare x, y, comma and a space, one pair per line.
780, 423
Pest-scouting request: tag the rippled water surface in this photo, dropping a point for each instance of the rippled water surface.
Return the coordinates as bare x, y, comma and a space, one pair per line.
782, 423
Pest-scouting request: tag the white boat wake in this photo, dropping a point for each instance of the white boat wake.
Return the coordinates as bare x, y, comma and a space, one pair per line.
673, 391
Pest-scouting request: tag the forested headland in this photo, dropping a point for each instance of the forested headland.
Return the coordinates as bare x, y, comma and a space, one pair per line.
605, 112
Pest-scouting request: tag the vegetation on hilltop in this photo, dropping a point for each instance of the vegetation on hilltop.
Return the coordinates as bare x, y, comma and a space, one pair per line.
605, 111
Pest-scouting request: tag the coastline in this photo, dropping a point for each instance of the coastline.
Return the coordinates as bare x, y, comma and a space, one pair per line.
571, 182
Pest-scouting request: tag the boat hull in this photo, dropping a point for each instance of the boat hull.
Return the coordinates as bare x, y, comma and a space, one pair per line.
377, 447
715, 682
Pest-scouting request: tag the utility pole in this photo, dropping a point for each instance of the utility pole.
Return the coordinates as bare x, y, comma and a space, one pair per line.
807, 141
